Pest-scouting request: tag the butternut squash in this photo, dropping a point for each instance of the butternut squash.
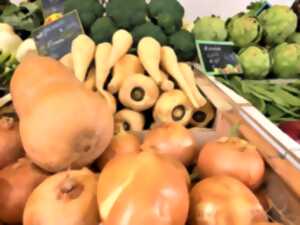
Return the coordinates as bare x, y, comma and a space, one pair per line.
65, 125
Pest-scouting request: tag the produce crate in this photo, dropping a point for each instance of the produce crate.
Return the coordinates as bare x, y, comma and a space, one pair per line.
282, 180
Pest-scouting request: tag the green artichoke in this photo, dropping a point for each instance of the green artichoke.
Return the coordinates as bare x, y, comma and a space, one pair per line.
210, 28
244, 30
294, 38
286, 60
279, 22
255, 62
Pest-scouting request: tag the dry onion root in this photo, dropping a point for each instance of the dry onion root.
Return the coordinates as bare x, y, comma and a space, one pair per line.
203, 116
128, 120
173, 106
138, 92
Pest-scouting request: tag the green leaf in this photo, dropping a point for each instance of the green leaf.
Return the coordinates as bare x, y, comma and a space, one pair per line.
291, 100
291, 89
274, 112
289, 112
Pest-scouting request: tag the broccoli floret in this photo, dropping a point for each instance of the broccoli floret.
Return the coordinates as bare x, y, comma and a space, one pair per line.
102, 30
127, 14
149, 30
168, 14
183, 42
88, 10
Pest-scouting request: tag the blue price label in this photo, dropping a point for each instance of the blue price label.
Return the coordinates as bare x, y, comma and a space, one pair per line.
55, 39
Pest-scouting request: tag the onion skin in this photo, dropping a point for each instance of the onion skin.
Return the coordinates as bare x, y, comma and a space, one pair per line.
233, 157
122, 143
172, 140
153, 186
17, 181
267, 223
224, 200
66, 198
10, 142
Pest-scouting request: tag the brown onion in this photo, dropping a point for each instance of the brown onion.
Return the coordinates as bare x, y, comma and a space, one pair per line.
122, 143
10, 142
17, 181
172, 140
67, 198
224, 200
233, 157
143, 188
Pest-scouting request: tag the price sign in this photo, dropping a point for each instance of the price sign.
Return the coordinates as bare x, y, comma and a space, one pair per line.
218, 58
55, 39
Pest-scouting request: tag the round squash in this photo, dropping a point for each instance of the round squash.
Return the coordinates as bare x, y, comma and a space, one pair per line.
10, 141
224, 200
17, 181
66, 198
172, 140
143, 188
233, 157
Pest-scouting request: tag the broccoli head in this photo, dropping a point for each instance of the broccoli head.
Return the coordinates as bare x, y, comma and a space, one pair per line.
149, 30
127, 14
88, 10
102, 30
168, 14
183, 42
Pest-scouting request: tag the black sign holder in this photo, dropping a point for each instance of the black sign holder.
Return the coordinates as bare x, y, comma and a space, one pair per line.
218, 58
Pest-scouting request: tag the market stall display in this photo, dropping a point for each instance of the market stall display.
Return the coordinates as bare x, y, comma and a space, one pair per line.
120, 131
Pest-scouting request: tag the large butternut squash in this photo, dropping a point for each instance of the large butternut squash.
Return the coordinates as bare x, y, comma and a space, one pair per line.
62, 124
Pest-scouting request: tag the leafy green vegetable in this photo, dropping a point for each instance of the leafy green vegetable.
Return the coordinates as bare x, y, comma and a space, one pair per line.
183, 42
127, 14
102, 30
149, 30
24, 18
89, 11
254, 7
168, 14
8, 64
278, 101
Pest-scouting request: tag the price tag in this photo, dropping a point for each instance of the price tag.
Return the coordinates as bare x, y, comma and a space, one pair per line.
55, 39
218, 58
51, 7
